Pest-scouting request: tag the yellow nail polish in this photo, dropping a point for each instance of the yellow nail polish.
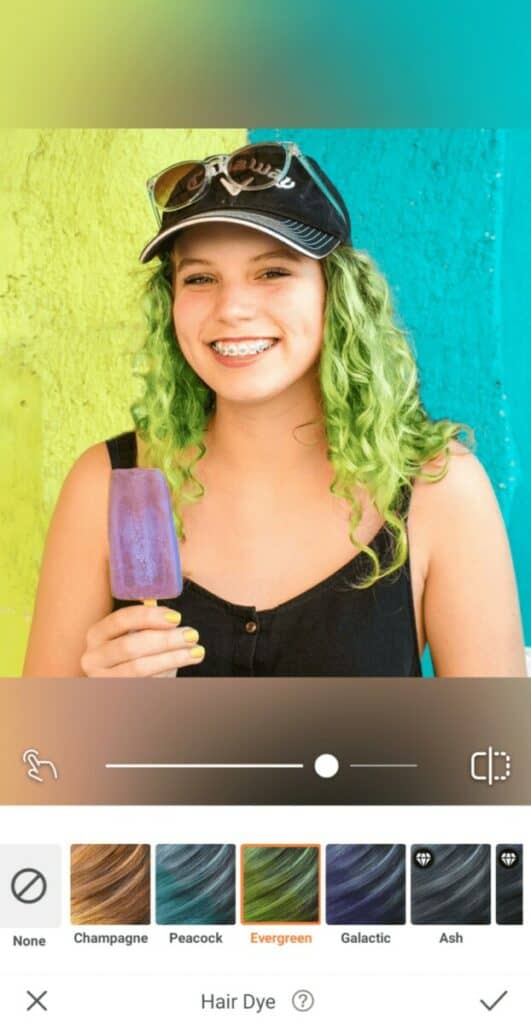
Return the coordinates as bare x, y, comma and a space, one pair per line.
191, 635
173, 617
197, 652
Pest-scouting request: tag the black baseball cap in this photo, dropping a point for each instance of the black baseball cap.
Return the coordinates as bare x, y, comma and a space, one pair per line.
295, 209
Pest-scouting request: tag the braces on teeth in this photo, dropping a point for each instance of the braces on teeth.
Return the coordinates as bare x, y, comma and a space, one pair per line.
242, 350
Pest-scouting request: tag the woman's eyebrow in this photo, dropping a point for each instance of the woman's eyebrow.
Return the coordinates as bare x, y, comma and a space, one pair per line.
191, 259
288, 254
283, 253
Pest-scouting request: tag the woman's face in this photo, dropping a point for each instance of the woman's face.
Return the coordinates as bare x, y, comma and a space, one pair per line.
234, 285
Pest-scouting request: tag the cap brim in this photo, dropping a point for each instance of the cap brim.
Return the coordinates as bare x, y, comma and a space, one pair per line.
305, 239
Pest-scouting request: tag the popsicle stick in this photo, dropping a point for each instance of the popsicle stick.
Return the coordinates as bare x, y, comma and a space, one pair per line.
150, 602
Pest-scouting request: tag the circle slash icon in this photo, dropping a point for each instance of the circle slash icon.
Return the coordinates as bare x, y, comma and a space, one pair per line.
28, 885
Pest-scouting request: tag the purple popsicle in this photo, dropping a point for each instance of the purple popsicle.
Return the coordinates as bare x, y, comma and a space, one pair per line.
143, 549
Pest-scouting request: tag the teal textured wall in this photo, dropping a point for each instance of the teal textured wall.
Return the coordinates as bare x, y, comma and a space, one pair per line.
447, 216
515, 313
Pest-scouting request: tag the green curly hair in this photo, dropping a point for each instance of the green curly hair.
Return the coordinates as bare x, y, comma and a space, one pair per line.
379, 435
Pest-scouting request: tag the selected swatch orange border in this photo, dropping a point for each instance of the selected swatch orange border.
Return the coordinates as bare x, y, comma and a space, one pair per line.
281, 846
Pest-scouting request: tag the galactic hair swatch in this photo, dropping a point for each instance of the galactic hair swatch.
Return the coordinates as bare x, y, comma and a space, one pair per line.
366, 884
280, 884
110, 884
196, 884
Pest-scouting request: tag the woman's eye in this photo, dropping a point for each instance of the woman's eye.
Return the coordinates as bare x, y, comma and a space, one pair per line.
276, 272
197, 279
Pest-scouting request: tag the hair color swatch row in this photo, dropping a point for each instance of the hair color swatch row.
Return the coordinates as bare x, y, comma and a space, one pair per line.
197, 884
364, 884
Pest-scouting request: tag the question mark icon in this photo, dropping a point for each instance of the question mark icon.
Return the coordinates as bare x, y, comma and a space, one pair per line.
302, 1000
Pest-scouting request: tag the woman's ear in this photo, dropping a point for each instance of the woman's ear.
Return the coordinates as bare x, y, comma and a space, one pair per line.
170, 269
172, 257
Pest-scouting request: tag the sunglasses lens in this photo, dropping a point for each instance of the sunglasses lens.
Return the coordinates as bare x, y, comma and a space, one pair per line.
257, 166
177, 186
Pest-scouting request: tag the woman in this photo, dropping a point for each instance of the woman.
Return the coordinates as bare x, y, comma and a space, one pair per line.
327, 526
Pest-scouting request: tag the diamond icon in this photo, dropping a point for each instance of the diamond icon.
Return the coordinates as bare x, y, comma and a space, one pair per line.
508, 858
423, 858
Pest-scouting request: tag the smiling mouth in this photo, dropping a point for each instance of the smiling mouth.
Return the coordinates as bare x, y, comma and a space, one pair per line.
245, 347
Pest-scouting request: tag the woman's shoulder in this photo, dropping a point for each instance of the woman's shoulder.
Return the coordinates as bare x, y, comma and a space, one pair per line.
95, 463
82, 501
465, 478
84, 494
458, 509
469, 596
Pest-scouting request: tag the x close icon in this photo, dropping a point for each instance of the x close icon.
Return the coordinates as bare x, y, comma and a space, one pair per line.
37, 1000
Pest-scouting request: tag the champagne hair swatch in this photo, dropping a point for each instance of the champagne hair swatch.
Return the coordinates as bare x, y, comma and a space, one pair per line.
110, 884
196, 884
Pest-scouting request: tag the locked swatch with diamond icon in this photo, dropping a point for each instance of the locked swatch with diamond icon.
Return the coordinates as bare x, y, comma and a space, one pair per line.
509, 884
450, 884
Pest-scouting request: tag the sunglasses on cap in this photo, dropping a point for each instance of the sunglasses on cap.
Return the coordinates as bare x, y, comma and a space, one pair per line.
250, 169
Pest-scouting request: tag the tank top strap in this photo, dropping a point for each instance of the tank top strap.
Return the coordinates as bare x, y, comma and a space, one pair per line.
404, 499
123, 450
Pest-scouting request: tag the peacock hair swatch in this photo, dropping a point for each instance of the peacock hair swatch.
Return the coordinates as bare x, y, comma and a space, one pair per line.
196, 884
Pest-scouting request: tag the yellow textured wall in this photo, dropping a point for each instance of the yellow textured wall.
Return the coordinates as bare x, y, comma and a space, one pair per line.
74, 216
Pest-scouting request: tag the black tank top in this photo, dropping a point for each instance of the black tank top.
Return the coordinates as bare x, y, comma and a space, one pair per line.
329, 630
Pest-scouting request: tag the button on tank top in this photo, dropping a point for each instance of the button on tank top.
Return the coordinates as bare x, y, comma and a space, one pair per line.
328, 630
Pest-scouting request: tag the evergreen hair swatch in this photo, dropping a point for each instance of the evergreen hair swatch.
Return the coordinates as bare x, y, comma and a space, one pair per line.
450, 884
110, 884
366, 884
196, 884
280, 884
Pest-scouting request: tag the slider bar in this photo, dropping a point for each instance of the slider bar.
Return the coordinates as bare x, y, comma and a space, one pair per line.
383, 765
204, 766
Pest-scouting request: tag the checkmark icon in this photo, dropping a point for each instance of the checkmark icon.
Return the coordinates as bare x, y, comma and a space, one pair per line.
495, 1003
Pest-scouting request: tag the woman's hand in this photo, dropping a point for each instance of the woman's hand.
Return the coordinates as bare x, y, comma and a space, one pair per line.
140, 640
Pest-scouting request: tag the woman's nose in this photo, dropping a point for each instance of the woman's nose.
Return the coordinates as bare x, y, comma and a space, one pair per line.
235, 302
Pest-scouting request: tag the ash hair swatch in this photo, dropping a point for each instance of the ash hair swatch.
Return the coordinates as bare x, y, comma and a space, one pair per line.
196, 884
110, 884
366, 884
280, 884
450, 884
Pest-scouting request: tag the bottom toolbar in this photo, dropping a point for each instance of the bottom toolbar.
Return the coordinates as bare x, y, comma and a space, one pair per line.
198, 913
234, 998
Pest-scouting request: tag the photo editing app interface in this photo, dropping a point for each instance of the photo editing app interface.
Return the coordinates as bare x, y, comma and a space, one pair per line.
242, 849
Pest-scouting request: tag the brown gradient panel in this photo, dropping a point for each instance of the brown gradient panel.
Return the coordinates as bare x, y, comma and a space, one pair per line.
82, 725
110, 884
